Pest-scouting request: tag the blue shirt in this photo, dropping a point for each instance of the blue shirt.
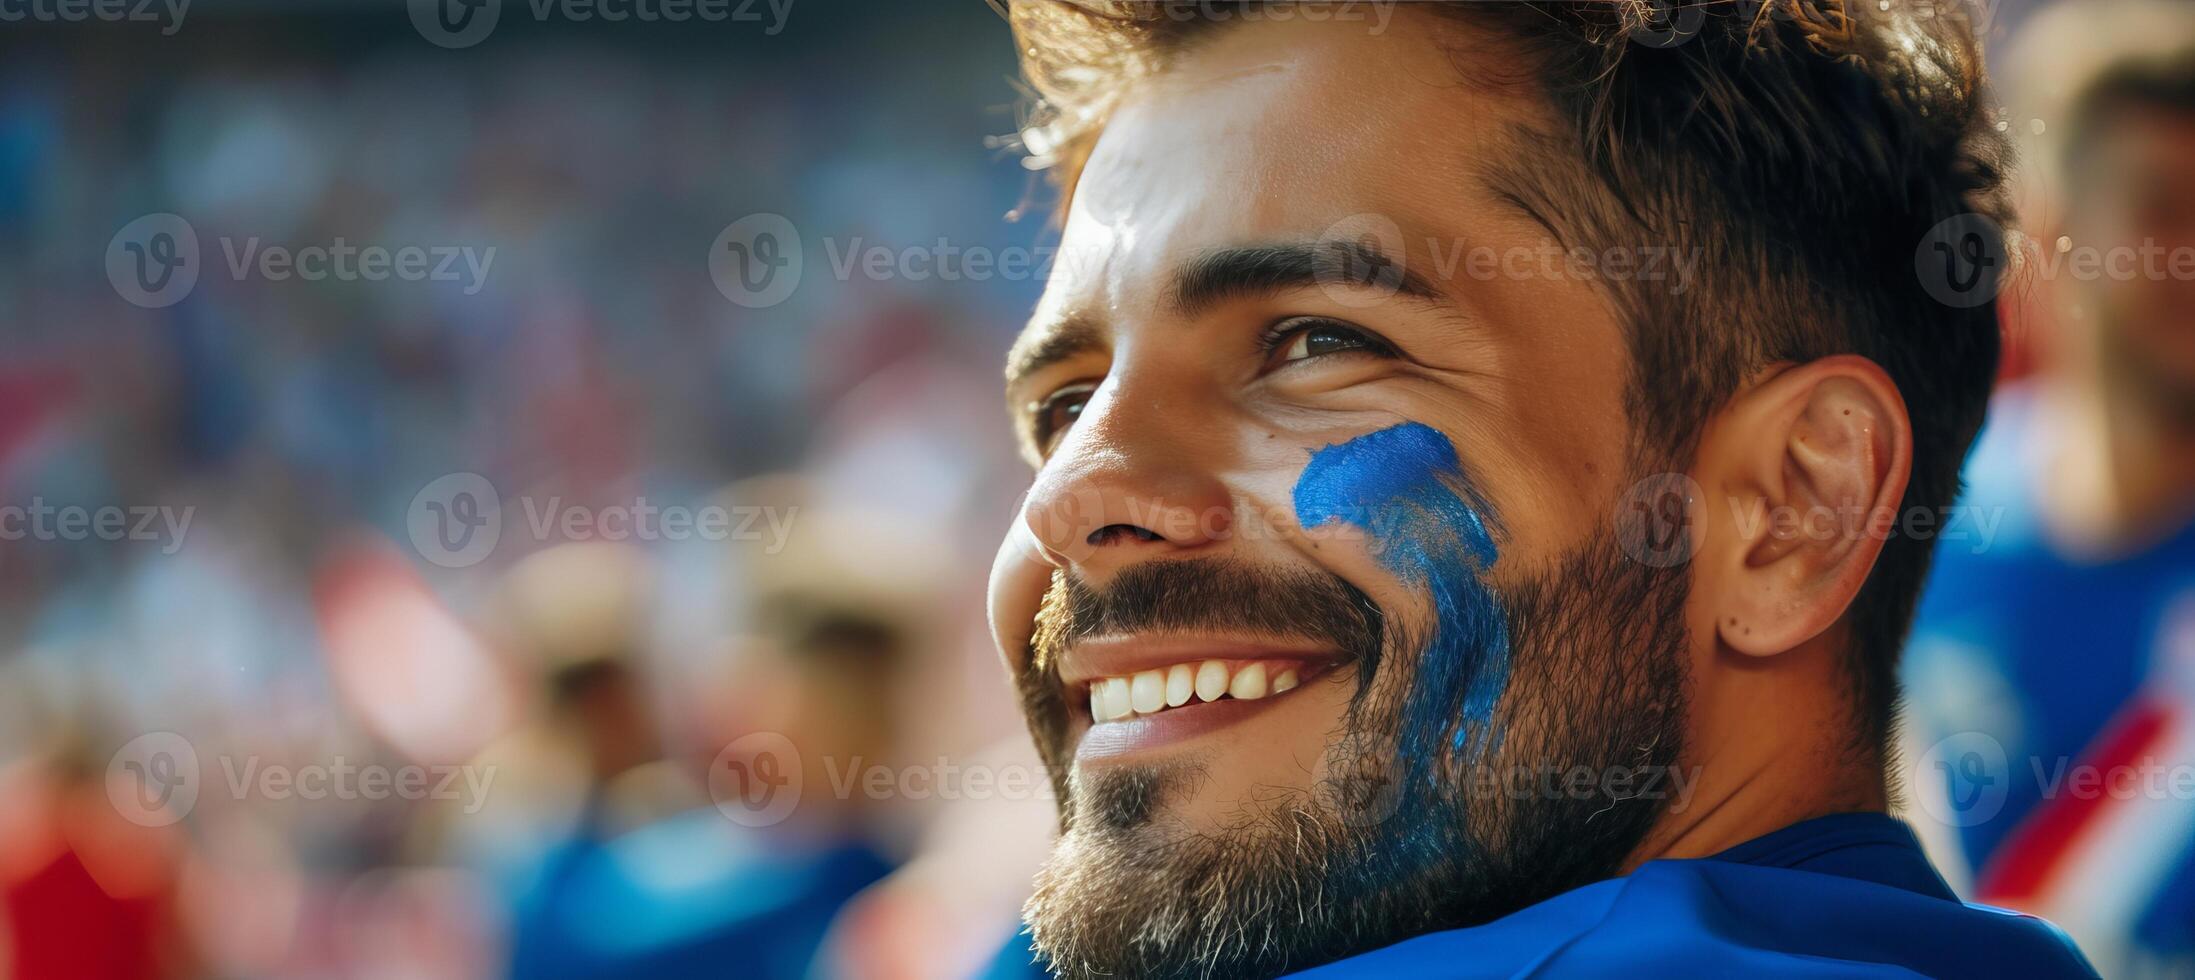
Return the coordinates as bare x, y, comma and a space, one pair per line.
1849, 895
691, 896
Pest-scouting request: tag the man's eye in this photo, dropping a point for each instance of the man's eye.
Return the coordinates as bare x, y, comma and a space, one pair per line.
1304, 338
1050, 417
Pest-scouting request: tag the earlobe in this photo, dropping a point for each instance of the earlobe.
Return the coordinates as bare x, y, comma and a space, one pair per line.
1808, 464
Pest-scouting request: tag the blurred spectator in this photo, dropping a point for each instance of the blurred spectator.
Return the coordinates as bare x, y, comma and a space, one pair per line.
648, 879
2052, 669
954, 910
86, 894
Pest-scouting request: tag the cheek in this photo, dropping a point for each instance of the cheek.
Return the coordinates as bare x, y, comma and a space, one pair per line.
1404, 490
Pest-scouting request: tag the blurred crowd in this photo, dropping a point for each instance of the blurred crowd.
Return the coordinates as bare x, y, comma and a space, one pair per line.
2050, 675
262, 648
267, 709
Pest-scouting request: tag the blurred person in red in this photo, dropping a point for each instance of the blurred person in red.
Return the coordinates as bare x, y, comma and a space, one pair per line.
86, 892
2052, 670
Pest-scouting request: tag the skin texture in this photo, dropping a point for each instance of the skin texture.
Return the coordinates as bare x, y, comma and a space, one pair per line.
1194, 444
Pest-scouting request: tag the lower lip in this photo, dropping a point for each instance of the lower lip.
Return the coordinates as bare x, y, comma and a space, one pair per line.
1174, 725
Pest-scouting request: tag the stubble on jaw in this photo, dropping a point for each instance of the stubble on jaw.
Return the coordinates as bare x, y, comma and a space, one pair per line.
1300, 876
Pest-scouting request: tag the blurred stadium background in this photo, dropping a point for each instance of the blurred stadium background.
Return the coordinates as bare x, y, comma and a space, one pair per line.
594, 698
855, 428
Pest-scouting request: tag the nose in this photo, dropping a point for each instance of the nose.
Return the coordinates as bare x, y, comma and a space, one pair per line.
1125, 486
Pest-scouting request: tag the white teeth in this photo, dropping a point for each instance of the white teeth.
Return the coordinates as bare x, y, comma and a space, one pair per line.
1147, 691
1117, 704
1211, 680
1180, 684
1249, 682
1152, 691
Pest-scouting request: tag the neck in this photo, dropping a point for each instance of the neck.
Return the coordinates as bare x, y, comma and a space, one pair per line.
1767, 751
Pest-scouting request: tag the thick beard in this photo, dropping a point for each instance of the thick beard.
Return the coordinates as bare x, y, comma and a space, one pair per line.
1361, 861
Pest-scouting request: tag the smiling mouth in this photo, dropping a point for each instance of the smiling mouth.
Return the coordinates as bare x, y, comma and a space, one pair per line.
1152, 692
1164, 705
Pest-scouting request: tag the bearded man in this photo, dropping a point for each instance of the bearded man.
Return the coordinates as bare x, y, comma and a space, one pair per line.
1469, 440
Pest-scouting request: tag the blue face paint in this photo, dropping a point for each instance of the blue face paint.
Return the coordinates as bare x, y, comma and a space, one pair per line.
1430, 527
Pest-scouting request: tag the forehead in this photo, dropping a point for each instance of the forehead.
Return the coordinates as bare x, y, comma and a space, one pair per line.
1293, 131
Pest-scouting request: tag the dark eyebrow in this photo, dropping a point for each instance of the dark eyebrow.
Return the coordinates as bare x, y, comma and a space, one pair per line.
1075, 335
1257, 270
1229, 273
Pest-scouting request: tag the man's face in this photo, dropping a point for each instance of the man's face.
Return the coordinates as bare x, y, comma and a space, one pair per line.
1318, 543
2135, 200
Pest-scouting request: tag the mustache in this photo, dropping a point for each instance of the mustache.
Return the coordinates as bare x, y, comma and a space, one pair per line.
1210, 595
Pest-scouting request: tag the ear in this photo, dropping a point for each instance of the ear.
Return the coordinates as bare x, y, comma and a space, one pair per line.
1802, 474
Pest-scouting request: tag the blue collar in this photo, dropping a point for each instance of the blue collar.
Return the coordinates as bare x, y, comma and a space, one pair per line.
1870, 847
